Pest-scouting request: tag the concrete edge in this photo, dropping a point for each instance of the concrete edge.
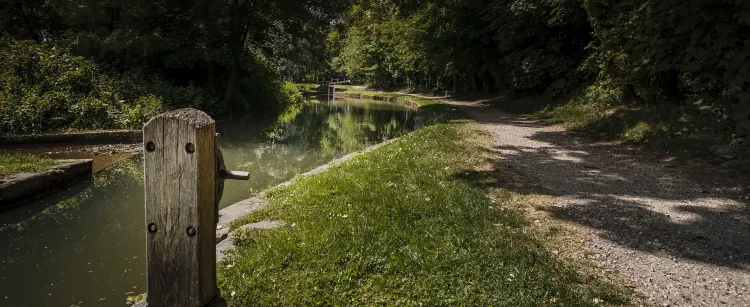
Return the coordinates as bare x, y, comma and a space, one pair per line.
32, 184
396, 100
75, 138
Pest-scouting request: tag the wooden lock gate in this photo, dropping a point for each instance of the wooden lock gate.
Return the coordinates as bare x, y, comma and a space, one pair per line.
184, 181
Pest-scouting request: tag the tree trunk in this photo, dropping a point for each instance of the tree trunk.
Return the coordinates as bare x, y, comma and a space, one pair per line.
455, 82
234, 75
487, 83
629, 94
671, 85
211, 75
236, 43
27, 20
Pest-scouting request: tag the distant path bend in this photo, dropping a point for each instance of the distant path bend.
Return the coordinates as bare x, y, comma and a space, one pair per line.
683, 241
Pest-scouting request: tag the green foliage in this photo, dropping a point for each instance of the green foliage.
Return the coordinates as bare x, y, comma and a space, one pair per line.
46, 88
692, 54
214, 55
290, 94
598, 54
519, 46
307, 87
17, 163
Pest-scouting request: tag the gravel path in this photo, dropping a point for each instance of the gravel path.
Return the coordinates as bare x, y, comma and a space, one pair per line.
683, 238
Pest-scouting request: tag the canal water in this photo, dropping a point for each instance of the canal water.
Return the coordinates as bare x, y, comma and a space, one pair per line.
86, 246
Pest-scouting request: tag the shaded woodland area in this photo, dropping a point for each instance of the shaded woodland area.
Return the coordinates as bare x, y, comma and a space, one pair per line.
93, 64
635, 69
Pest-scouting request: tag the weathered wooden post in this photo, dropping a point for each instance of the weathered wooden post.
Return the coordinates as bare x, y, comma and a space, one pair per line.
181, 171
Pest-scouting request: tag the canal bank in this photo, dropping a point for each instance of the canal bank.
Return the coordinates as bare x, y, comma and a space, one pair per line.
87, 242
34, 166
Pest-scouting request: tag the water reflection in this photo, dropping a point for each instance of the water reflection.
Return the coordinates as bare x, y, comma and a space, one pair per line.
86, 246
303, 138
84, 250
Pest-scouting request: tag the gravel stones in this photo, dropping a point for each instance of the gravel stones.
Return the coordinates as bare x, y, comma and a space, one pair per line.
684, 241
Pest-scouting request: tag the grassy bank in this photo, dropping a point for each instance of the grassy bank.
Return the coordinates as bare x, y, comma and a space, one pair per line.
402, 225
16, 163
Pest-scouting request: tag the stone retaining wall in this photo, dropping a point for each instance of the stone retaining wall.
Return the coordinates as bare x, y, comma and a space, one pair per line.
74, 138
23, 186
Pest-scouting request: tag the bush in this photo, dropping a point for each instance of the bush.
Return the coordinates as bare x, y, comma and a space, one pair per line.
676, 52
43, 87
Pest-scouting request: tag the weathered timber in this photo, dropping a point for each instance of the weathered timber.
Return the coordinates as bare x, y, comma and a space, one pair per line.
180, 193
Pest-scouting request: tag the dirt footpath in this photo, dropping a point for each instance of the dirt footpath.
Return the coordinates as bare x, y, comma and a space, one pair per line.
682, 236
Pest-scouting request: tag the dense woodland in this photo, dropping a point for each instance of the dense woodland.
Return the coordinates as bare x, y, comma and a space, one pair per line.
86, 64
104, 64
671, 68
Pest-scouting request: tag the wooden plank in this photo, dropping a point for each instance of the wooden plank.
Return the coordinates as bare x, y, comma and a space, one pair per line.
179, 189
236, 175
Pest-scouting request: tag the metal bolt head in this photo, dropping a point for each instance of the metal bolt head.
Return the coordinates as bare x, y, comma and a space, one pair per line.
152, 228
150, 147
191, 231
190, 148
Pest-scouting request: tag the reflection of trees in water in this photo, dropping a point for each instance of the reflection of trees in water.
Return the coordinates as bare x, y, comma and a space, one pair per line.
132, 169
64, 205
339, 129
347, 133
305, 137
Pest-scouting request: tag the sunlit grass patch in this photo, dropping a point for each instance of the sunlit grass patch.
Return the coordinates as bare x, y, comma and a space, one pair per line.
17, 163
399, 226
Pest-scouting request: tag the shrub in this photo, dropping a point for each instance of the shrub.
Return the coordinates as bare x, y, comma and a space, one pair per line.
43, 87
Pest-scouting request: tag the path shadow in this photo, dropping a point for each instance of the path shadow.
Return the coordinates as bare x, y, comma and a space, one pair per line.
627, 197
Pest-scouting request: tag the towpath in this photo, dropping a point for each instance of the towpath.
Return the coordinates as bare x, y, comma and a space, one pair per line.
682, 237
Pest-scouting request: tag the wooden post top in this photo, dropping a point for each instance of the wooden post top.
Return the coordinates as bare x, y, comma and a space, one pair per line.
194, 117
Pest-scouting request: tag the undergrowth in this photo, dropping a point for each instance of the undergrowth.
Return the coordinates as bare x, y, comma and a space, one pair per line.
688, 128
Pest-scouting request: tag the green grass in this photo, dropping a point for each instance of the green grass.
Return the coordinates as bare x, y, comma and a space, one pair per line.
402, 226
16, 163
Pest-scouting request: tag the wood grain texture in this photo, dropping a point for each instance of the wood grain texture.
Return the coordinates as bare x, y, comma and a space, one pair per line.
179, 189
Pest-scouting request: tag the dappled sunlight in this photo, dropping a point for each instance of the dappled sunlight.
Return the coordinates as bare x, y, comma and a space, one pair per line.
676, 211
625, 198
